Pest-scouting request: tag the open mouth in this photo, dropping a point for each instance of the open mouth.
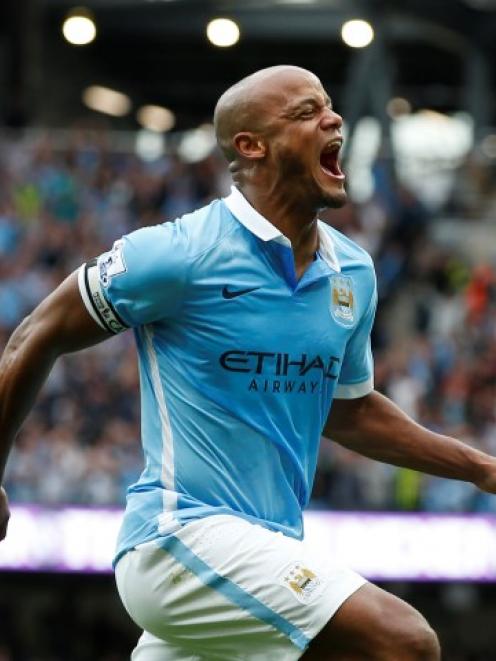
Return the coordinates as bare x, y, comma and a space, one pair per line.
329, 159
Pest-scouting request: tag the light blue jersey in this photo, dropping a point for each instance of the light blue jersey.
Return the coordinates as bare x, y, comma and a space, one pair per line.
239, 361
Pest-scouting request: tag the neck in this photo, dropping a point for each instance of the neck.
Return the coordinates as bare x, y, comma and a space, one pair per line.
292, 218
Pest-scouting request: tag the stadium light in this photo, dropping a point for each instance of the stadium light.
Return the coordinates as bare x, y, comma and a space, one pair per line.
398, 106
223, 32
107, 101
488, 146
357, 33
197, 144
79, 27
156, 118
434, 115
150, 145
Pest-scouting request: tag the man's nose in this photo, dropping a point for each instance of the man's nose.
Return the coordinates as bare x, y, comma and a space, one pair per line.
331, 119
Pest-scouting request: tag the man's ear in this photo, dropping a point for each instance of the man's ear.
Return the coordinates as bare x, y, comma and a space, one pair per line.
249, 145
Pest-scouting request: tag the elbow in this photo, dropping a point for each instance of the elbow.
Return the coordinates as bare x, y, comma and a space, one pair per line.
22, 333
19, 336
29, 338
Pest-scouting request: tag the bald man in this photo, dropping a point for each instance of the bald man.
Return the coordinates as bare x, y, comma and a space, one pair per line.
250, 317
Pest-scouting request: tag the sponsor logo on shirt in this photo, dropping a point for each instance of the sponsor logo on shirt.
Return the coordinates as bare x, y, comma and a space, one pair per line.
290, 370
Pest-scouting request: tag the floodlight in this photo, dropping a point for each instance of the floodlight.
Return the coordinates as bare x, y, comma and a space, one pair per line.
488, 146
107, 101
398, 106
156, 118
357, 33
79, 27
223, 32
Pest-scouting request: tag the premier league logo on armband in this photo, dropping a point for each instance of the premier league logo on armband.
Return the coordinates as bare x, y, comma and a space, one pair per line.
111, 263
343, 305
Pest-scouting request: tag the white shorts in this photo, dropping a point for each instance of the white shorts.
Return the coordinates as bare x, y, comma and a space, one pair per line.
222, 588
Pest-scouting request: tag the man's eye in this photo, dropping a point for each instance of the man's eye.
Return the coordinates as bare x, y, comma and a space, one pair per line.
307, 113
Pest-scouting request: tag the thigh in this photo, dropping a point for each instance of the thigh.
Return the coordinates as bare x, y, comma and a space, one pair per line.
223, 588
151, 648
375, 625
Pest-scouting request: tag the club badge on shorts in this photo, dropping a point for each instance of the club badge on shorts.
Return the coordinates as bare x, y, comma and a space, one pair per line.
302, 582
343, 305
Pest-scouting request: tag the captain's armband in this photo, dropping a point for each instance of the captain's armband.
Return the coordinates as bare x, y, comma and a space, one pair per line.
102, 311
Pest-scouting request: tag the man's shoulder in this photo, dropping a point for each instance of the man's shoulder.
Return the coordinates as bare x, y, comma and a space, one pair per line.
205, 228
185, 237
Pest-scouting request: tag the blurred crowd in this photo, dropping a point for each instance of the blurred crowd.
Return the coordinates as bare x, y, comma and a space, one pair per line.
79, 617
59, 208
434, 340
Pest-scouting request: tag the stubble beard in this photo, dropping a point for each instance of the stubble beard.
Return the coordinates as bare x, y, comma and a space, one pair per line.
292, 169
334, 200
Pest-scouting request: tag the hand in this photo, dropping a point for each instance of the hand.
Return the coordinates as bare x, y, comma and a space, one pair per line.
4, 513
487, 481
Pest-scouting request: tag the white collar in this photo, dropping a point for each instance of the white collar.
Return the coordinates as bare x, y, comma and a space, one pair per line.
327, 249
248, 216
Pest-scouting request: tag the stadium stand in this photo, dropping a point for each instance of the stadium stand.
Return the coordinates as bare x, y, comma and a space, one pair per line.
435, 337
66, 195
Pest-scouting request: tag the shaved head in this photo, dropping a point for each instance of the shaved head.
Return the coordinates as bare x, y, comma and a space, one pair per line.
281, 137
242, 107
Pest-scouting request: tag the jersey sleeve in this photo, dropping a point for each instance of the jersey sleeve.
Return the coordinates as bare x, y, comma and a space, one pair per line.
139, 281
356, 378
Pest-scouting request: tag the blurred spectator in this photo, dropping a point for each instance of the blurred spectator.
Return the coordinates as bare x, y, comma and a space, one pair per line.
435, 333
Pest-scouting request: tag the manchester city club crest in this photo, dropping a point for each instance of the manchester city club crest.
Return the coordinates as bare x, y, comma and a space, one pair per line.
302, 582
343, 305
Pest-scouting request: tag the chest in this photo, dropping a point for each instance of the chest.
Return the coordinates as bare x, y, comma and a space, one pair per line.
253, 325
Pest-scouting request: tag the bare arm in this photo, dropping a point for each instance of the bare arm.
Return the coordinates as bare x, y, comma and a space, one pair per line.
60, 324
376, 428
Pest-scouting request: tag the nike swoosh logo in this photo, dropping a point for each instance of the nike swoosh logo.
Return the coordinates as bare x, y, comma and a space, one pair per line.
234, 293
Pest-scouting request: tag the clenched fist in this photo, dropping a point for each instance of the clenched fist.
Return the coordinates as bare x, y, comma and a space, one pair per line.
486, 480
4, 513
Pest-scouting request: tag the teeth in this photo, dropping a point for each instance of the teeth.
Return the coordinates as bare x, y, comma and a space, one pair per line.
333, 145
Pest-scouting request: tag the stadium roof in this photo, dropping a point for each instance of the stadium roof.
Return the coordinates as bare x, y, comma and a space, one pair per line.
436, 53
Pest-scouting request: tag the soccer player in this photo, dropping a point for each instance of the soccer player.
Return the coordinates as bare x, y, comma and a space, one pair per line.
251, 317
